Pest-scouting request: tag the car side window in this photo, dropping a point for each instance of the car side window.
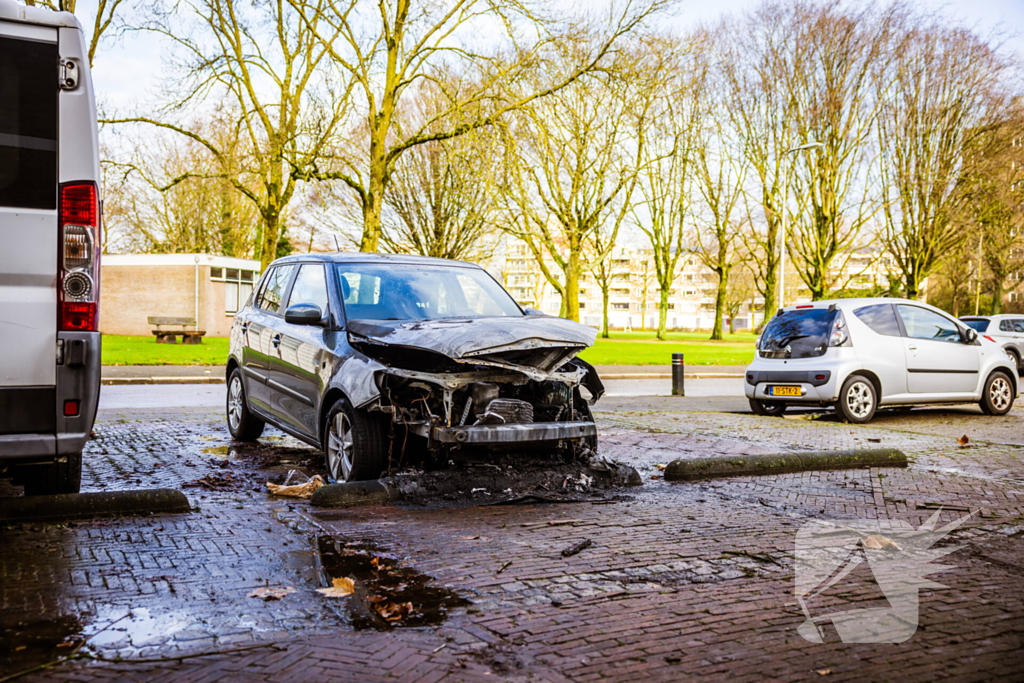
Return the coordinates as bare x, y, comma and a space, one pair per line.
924, 324
1018, 326
310, 287
880, 318
274, 289
1004, 326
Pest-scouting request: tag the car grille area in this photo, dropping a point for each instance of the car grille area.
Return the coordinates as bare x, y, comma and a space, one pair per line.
506, 411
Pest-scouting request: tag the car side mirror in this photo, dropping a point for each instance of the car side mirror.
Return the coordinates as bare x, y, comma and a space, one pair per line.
533, 311
971, 335
303, 314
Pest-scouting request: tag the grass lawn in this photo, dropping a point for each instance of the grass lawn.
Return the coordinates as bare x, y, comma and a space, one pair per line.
118, 350
624, 348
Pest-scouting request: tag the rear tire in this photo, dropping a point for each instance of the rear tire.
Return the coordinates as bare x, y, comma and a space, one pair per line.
767, 408
243, 425
355, 443
57, 477
858, 400
997, 396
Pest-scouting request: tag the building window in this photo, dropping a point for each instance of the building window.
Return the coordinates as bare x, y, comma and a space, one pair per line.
237, 286
620, 307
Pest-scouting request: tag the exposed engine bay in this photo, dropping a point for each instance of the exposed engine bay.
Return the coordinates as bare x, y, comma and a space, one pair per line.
487, 391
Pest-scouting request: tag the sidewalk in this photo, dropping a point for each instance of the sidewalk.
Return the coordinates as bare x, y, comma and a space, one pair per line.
214, 374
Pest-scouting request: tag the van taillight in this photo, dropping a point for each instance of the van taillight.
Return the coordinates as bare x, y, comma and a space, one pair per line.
78, 258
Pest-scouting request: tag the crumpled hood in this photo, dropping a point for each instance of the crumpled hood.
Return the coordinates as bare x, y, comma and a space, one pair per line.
540, 342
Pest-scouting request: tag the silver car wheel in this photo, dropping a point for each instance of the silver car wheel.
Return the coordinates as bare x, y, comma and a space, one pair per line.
235, 402
999, 393
339, 448
859, 399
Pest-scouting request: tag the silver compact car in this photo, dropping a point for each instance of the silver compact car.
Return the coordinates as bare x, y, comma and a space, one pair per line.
367, 356
857, 355
1007, 330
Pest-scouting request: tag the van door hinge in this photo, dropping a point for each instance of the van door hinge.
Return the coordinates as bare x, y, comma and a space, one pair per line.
68, 74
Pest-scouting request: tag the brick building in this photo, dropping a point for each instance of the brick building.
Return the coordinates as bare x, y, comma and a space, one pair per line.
134, 287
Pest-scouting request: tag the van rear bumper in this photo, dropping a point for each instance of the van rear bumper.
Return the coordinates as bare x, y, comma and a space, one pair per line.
27, 448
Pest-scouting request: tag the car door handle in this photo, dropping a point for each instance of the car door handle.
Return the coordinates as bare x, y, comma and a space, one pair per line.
276, 340
245, 328
912, 347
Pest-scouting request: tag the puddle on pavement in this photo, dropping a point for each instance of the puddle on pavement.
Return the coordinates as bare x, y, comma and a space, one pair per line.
379, 579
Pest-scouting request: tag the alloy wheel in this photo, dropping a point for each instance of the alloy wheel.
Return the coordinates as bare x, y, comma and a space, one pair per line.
999, 393
339, 448
859, 399
235, 402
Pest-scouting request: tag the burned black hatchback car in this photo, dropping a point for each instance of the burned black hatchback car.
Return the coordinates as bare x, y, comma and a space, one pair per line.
371, 357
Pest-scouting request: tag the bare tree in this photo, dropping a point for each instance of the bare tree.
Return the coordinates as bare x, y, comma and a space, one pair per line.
935, 96
668, 150
395, 48
268, 65
569, 172
740, 291
106, 11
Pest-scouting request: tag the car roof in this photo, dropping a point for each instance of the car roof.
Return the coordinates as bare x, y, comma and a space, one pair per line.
362, 257
851, 303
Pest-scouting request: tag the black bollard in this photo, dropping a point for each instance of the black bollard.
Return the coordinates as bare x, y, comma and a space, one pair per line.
678, 368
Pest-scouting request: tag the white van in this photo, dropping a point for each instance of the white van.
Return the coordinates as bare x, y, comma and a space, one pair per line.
49, 249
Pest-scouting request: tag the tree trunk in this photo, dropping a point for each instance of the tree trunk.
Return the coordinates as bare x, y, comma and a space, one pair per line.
271, 234
604, 311
571, 295
770, 302
723, 279
374, 199
997, 297
663, 311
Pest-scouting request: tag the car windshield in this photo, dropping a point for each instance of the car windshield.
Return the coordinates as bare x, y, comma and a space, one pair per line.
979, 325
395, 291
797, 334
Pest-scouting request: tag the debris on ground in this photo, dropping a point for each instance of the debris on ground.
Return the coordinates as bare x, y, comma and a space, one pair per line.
304, 489
660, 466
577, 548
874, 542
215, 481
268, 593
391, 611
341, 587
963, 442
503, 567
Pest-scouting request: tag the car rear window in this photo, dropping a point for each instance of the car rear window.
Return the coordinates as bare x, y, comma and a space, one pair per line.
28, 124
979, 324
880, 318
797, 334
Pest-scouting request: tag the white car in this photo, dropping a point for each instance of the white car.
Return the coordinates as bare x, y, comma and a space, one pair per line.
50, 232
1007, 330
861, 354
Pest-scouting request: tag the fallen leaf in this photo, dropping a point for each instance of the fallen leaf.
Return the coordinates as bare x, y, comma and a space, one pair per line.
880, 543
22, 647
823, 672
661, 467
393, 611
297, 490
375, 598
655, 476
64, 644
377, 564
963, 442
268, 594
469, 538
341, 587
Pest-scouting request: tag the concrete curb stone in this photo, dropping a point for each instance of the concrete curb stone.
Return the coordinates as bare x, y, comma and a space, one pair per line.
782, 463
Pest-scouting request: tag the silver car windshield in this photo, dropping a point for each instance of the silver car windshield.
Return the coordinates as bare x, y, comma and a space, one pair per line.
394, 291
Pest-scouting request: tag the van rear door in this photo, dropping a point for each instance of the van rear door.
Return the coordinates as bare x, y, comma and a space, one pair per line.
29, 90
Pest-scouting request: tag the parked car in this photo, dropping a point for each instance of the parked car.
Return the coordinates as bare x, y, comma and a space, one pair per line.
50, 232
362, 355
1007, 330
857, 355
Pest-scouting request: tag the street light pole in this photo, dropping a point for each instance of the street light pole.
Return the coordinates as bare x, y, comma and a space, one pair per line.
782, 239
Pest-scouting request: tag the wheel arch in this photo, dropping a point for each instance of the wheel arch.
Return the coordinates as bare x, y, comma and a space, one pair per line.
333, 395
871, 377
231, 365
1014, 381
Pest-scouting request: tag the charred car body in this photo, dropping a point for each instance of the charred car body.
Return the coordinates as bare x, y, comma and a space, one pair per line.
368, 356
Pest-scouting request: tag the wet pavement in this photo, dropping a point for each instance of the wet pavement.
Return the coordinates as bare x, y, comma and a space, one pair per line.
679, 580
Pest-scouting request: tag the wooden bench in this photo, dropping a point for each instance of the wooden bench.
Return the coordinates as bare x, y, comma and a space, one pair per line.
171, 336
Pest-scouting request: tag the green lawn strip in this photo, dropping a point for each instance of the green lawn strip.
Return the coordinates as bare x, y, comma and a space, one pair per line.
683, 336
611, 352
119, 350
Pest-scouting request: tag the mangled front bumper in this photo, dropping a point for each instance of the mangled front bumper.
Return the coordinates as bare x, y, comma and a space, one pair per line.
507, 434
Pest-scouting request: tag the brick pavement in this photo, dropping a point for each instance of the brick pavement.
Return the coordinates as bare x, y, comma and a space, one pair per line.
682, 580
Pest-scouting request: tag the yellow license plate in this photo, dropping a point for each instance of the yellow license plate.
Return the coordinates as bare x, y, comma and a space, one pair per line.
783, 391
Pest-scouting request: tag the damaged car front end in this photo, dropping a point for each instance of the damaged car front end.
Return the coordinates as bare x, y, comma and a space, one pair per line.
425, 355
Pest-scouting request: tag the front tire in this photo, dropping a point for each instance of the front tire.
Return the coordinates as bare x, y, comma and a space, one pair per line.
857, 400
767, 408
243, 425
997, 397
355, 443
